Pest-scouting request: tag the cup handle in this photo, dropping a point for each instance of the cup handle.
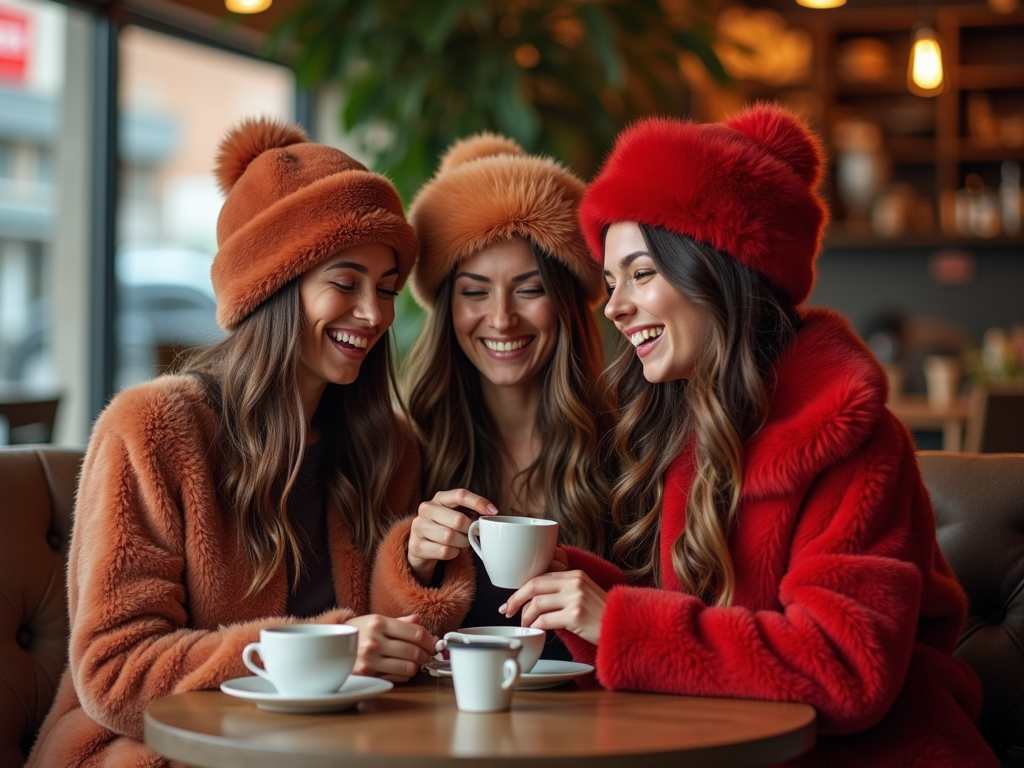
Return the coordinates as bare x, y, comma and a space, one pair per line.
474, 538
511, 670
247, 659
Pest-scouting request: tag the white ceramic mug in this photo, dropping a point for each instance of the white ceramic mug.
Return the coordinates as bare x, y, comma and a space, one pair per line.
485, 671
303, 659
532, 641
513, 549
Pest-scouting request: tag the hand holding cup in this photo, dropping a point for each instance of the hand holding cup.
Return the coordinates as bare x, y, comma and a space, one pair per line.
439, 530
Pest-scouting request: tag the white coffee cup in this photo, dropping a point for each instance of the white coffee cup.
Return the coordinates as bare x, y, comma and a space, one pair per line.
485, 671
513, 549
532, 641
303, 659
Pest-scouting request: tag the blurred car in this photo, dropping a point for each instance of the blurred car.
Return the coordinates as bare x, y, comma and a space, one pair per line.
166, 304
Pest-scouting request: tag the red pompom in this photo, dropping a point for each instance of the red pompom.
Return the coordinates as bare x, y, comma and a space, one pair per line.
475, 147
785, 137
248, 141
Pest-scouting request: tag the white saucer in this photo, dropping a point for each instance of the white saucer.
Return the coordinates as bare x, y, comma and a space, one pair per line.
546, 673
261, 691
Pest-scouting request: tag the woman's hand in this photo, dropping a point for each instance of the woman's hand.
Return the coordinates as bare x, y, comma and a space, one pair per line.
439, 529
561, 600
393, 649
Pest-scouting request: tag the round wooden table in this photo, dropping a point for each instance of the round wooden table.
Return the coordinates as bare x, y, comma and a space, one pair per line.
417, 725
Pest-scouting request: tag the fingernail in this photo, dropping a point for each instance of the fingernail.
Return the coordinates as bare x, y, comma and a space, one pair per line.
503, 607
492, 509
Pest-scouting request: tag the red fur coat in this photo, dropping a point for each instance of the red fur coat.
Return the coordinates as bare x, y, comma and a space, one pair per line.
843, 599
157, 577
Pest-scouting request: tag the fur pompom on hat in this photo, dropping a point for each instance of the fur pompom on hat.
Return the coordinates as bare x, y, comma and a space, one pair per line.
747, 186
291, 204
488, 190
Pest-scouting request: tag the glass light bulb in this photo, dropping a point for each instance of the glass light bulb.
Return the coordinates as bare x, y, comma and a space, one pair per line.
821, 3
247, 6
925, 74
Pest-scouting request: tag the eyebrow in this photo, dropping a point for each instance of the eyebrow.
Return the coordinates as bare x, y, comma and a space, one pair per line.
483, 279
629, 259
358, 268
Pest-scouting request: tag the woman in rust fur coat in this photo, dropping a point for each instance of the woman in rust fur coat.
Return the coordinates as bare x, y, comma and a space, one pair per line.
774, 535
502, 379
252, 490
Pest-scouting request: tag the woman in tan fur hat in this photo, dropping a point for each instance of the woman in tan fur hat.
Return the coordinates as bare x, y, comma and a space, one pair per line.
252, 490
502, 380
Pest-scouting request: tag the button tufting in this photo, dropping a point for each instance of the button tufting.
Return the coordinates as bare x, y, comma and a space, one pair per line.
54, 540
23, 637
996, 616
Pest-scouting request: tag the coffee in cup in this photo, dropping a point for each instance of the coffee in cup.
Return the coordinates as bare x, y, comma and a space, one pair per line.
304, 659
485, 671
513, 549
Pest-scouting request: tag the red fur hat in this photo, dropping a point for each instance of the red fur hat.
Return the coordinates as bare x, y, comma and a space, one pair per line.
291, 204
487, 190
747, 186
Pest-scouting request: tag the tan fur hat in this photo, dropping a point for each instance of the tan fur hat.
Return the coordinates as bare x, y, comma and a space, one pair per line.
489, 190
291, 204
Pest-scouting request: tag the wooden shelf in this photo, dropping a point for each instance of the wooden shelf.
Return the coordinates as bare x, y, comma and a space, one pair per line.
972, 152
839, 237
923, 140
978, 77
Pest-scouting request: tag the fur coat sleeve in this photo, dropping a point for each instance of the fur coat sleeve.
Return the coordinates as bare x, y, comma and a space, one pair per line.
395, 590
157, 578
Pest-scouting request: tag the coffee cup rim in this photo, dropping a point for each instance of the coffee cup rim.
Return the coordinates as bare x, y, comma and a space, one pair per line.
312, 630
518, 520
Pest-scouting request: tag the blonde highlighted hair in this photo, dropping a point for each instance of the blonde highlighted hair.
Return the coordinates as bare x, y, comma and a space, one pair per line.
250, 379
458, 433
722, 406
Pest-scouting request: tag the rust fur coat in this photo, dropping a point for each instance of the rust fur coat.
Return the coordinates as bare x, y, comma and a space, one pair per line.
157, 576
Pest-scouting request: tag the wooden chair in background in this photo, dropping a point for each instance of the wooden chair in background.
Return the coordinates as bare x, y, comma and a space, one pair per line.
24, 421
995, 422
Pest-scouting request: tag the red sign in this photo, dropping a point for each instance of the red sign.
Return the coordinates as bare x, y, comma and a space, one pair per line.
13, 45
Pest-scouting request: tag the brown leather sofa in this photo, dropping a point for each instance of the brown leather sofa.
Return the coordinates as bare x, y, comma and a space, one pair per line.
979, 509
979, 516
37, 489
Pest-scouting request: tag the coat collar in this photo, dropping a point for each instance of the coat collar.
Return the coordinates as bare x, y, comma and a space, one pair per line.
827, 396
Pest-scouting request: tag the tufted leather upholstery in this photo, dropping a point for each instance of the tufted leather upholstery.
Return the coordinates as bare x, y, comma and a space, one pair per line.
37, 487
979, 515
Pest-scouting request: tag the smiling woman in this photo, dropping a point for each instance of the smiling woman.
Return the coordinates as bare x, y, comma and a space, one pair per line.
252, 489
503, 380
774, 535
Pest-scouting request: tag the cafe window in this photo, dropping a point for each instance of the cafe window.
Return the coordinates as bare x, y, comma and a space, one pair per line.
177, 100
33, 38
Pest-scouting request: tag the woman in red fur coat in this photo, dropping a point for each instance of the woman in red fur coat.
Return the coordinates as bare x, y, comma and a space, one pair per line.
252, 490
773, 532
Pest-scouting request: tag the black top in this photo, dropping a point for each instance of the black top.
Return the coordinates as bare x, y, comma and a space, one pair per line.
484, 612
307, 510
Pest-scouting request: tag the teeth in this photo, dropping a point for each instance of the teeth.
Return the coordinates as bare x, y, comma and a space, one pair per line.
344, 338
640, 337
505, 346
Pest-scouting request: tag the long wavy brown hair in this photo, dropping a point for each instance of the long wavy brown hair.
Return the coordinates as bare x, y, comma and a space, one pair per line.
250, 378
722, 406
458, 433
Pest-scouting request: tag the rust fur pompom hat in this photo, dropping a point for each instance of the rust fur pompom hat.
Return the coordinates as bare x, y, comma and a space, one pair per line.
291, 204
747, 186
488, 190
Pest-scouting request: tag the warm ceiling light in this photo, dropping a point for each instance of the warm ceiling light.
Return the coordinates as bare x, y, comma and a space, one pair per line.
247, 6
924, 76
821, 3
